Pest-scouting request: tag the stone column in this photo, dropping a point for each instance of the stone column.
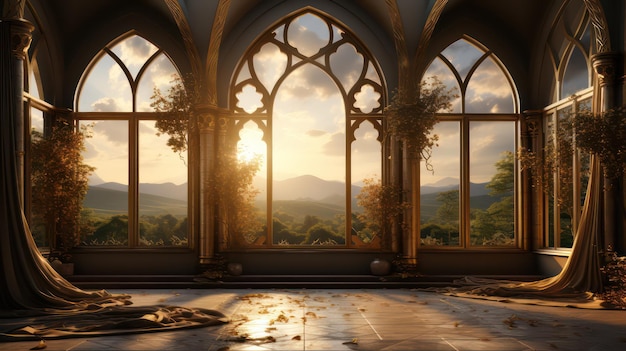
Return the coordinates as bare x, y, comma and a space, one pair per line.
605, 66
19, 31
206, 154
532, 216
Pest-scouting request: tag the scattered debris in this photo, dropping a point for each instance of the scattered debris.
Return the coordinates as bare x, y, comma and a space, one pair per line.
42, 345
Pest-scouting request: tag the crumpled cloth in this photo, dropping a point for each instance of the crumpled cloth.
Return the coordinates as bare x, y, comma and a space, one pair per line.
114, 320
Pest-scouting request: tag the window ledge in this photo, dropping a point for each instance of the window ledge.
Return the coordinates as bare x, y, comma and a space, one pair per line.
565, 252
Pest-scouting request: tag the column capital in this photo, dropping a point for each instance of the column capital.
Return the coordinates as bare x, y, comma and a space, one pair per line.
21, 36
210, 117
605, 65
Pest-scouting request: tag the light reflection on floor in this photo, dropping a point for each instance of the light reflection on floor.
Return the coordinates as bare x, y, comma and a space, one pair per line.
353, 319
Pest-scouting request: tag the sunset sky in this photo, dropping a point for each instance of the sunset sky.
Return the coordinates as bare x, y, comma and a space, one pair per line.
309, 125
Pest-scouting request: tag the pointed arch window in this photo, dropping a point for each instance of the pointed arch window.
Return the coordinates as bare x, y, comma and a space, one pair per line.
138, 192
307, 98
469, 200
570, 50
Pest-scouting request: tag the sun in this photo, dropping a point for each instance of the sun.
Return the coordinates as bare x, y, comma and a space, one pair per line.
247, 152
251, 145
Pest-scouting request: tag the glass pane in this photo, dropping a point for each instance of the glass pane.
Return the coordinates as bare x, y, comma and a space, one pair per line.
134, 51
33, 88
462, 55
308, 34
440, 70
439, 190
489, 91
106, 88
548, 140
492, 183
367, 99
159, 74
368, 216
162, 190
347, 64
250, 217
565, 177
105, 214
576, 75
269, 65
37, 223
308, 155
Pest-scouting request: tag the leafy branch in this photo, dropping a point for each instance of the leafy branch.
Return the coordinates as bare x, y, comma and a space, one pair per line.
412, 119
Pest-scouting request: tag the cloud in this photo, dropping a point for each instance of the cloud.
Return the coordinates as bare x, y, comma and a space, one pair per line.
308, 81
269, 64
489, 90
108, 104
135, 51
316, 133
462, 55
111, 131
347, 64
308, 33
336, 145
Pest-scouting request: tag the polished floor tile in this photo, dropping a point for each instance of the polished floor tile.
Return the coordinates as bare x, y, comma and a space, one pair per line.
385, 319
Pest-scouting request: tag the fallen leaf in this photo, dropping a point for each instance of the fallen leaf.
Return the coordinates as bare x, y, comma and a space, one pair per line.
42, 345
297, 337
354, 341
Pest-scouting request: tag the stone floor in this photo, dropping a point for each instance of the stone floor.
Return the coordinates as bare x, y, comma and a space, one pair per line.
357, 319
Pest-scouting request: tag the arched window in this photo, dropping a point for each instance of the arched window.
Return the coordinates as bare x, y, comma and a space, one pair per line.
569, 49
469, 198
138, 192
34, 114
307, 98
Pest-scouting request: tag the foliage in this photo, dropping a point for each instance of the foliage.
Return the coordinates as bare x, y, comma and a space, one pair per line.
59, 182
614, 273
411, 119
496, 225
493, 226
605, 136
320, 234
381, 204
233, 190
176, 109
554, 160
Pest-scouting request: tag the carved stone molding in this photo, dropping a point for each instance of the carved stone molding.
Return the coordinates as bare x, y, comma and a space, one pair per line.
215, 41
399, 39
605, 65
21, 37
600, 26
13, 9
185, 31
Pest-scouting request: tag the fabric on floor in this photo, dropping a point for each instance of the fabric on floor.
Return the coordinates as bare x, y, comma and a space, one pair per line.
110, 321
38, 300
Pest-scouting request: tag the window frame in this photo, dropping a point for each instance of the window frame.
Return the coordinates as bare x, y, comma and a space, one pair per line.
133, 118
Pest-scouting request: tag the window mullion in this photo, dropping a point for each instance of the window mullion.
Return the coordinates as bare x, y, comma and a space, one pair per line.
133, 186
464, 225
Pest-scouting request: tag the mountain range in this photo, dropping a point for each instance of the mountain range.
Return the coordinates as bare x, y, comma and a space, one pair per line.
293, 193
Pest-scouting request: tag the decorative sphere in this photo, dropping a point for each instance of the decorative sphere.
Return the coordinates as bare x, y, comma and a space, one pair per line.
235, 268
380, 267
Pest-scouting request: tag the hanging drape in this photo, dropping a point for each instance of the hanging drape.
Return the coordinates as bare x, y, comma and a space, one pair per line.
39, 301
579, 278
28, 283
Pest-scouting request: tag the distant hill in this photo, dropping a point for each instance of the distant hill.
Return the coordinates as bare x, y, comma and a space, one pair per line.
307, 188
106, 201
169, 190
299, 196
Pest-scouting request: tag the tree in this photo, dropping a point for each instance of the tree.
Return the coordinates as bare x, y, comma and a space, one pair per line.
380, 203
448, 212
496, 225
59, 182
